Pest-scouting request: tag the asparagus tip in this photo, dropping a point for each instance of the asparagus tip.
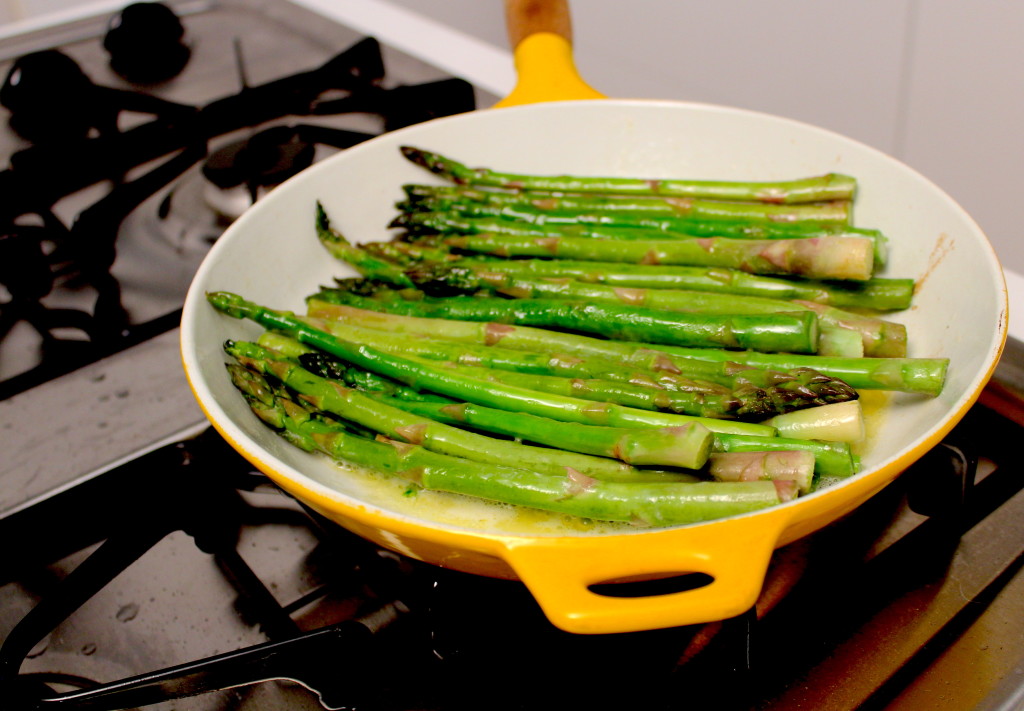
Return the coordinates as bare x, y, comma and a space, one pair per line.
227, 303
416, 155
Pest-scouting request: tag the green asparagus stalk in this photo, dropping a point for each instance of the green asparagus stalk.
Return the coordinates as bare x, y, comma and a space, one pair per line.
458, 223
364, 262
878, 294
795, 332
880, 338
912, 375
444, 382
408, 254
686, 446
531, 206
574, 493
828, 187
842, 258
813, 215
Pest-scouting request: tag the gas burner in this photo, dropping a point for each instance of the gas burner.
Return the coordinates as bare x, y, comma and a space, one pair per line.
238, 171
100, 289
145, 45
52, 101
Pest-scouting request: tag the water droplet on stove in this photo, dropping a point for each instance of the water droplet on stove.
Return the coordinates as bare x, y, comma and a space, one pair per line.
37, 651
128, 612
88, 649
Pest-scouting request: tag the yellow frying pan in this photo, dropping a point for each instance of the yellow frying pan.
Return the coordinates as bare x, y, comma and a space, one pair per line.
271, 256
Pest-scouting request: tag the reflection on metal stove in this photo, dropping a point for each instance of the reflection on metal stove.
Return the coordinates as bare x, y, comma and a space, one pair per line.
457, 638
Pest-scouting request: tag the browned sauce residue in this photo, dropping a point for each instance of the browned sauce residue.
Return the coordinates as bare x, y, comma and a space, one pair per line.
943, 246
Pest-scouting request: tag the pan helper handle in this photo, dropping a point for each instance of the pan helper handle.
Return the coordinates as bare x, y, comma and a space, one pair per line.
540, 33
734, 553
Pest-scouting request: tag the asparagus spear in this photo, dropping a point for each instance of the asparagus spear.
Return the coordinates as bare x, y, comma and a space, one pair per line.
459, 223
607, 209
913, 375
687, 210
880, 338
647, 504
363, 261
829, 257
795, 332
878, 294
686, 446
827, 187
444, 382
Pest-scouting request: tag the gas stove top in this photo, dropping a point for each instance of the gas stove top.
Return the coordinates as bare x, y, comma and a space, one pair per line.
147, 561
107, 246
151, 173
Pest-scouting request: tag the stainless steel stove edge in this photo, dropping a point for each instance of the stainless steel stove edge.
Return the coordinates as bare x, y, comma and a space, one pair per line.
76, 427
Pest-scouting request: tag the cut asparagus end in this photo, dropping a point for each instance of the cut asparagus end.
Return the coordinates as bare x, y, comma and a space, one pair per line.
787, 490
840, 342
794, 466
838, 422
686, 446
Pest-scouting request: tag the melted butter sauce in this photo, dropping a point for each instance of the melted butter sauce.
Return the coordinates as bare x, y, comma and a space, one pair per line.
395, 495
874, 404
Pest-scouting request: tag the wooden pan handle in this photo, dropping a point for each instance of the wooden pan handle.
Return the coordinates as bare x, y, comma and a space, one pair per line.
526, 17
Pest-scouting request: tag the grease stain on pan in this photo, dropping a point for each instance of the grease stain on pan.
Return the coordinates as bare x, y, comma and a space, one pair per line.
943, 246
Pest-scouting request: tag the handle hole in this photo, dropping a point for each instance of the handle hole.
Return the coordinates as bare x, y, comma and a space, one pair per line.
652, 585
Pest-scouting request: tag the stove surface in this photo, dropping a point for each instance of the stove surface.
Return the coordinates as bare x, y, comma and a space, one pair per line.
131, 401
